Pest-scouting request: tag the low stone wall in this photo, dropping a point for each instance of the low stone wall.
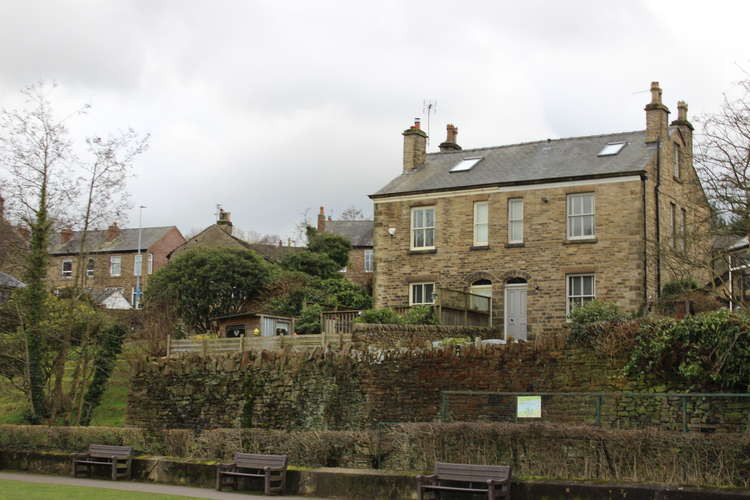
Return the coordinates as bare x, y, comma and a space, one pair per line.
363, 484
416, 336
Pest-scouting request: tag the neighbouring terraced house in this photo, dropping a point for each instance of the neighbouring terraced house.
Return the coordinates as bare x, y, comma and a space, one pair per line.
540, 227
112, 260
361, 264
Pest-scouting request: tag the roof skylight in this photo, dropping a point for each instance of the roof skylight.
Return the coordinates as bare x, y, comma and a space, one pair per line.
466, 164
612, 149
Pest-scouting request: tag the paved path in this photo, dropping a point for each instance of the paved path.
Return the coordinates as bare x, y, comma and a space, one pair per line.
144, 487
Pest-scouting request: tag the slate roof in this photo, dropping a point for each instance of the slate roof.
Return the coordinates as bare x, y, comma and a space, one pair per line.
96, 241
358, 232
8, 281
556, 159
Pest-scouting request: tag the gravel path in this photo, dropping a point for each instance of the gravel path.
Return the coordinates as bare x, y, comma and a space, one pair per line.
144, 487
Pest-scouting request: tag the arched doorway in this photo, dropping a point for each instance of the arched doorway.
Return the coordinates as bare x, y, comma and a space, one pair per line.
516, 324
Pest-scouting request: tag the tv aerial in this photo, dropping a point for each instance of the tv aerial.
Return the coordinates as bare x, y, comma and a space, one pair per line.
429, 107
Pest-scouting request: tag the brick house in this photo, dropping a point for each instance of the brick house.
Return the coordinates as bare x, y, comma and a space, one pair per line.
540, 227
220, 235
112, 260
361, 257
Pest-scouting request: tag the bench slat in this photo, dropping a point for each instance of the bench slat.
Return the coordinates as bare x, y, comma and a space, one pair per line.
100, 450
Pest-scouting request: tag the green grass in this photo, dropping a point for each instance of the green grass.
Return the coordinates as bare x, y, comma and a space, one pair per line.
20, 490
110, 413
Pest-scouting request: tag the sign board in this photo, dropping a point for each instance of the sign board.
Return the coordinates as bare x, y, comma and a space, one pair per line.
529, 407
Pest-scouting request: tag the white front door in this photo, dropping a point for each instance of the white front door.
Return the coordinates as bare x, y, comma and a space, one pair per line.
515, 311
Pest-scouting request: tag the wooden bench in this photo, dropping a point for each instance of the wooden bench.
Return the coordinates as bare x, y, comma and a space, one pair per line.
117, 458
272, 468
456, 478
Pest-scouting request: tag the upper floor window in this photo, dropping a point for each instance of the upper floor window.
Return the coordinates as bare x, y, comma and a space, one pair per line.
683, 229
90, 268
581, 288
67, 268
676, 160
515, 221
115, 265
369, 264
421, 293
481, 227
137, 264
422, 227
581, 216
150, 264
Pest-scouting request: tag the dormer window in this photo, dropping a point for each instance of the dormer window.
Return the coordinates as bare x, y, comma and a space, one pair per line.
612, 149
466, 164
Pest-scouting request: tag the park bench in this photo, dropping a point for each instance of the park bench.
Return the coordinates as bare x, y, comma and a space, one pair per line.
117, 458
467, 478
272, 468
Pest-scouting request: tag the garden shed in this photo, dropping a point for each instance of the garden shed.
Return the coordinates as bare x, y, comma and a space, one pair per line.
243, 324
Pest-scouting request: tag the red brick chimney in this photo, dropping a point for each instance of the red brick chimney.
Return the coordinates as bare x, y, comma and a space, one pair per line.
415, 147
66, 235
322, 221
112, 232
657, 115
450, 140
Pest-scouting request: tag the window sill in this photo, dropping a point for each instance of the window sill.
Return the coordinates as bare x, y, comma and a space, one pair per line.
582, 241
424, 251
677, 179
515, 245
479, 247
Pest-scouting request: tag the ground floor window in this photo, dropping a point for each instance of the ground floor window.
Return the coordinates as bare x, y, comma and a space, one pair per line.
233, 331
421, 293
581, 288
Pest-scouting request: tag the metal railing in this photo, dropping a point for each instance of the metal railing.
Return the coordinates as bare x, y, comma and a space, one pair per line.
697, 412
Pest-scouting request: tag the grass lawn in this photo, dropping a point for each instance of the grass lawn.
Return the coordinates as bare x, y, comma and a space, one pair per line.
19, 490
110, 413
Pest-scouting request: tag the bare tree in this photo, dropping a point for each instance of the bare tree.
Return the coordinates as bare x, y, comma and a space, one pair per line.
37, 153
352, 213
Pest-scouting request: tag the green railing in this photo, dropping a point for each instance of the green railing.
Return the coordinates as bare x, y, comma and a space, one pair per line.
698, 412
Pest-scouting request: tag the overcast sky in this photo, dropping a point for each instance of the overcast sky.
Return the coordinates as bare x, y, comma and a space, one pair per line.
274, 108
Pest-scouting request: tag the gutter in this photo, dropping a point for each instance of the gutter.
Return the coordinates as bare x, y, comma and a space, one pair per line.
645, 242
658, 225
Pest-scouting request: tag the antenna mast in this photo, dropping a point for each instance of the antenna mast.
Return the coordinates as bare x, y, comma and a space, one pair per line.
429, 106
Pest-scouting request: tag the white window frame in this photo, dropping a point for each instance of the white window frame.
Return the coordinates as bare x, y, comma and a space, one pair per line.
568, 296
90, 270
424, 298
425, 229
150, 264
478, 223
115, 260
369, 264
676, 160
138, 264
69, 274
512, 221
570, 216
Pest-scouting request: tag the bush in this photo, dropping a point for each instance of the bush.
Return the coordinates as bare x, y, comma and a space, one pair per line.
309, 320
704, 352
421, 315
592, 320
380, 316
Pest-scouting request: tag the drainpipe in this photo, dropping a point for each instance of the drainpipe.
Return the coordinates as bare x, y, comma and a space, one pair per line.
658, 232
645, 241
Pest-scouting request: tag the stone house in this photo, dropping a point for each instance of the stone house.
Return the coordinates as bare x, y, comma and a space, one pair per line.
112, 259
220, 235
7, 284
361, 257
541, 227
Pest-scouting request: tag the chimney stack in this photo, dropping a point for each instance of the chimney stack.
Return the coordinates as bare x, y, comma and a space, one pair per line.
415, 147
657, 115
682, 119
322, 221
112, 232
66, 235
225, 220
450, 140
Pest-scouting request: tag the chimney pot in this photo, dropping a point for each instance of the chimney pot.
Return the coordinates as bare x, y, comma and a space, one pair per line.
450, 139
225, 221
417, 123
